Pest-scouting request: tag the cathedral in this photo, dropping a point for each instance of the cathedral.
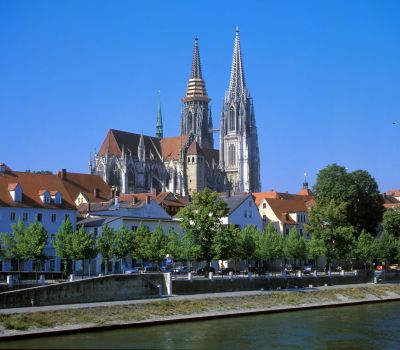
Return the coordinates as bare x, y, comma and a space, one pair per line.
136, 163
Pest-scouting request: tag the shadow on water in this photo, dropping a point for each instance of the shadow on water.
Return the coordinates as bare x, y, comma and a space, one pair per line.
371, 326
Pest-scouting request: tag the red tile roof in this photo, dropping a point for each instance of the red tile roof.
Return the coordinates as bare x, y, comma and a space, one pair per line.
283, 207
194, 149
394, 193
260, 196
171, 147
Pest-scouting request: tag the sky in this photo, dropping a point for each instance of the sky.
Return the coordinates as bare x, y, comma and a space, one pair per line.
324, 76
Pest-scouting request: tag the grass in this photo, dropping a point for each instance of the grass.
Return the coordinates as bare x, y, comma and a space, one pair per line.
168, 308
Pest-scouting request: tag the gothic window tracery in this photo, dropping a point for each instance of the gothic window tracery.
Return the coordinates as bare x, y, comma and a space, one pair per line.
232, 119
231, 155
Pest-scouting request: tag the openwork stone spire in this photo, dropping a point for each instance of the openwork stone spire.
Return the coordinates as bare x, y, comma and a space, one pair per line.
196, 88
237, 85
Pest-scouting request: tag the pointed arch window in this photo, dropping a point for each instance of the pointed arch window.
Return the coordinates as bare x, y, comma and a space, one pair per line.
232, 119
232, 155
190, 122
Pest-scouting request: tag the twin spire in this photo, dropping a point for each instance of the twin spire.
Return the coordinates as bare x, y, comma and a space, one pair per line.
237, 84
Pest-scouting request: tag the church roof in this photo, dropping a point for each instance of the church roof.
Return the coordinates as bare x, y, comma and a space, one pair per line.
171, 146
260, 196
305, 192
194, 149
116, 140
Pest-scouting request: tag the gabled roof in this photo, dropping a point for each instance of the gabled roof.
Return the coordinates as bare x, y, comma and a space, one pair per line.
394, 193
305, 192
194, 150
234, 201
171, 146
32, 184
116, 140
282, 207
13, 186
260, 196
86, 184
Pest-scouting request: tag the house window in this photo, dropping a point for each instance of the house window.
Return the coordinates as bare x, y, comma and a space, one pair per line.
47, 198
264, 205
52, 238
249, 203
245, 213
25, 217
301, 232
52, 265
66, 217
95, 232
265, 218
53, 217
287, 231
134, 228
188, 159
39, 217
250, 214
12, 216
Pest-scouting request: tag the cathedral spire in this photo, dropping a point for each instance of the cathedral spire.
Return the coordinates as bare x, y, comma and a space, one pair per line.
237, 85
196, 66
196, 87
159, 125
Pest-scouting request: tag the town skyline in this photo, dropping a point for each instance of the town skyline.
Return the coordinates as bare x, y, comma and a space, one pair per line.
323, 79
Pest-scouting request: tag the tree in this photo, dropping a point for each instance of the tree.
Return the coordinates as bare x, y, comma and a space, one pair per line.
315, 249
123, 243
247, 243
105, 245
13, 243
329, 224
83, 246
365, 248
201, 220
294, 246
62, 242
359, 192
391, 221
386, 247
226, 242
34, 242
174, 245
141, 236
154, 247
270, 244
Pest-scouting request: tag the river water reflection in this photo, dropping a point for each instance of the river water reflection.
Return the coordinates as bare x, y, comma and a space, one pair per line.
373, 326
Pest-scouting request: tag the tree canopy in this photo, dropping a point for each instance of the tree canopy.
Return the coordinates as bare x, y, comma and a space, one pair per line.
391, 221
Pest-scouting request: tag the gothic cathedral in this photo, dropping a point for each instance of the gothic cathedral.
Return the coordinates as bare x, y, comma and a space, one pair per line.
184, 164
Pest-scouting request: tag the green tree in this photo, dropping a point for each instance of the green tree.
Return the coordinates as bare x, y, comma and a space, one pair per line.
83, 246
226, 242
271, 244
358, 190
155, 246
201, 220
13, 243
391, 221
247, 243
365, 248
62, 242
329, 224
34, 242
386, 247
141, 236
105, 245
294, 246
315, 249
123, 244
174, 245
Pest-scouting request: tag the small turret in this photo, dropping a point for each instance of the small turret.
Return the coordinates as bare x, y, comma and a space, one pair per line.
141, 148
159, 125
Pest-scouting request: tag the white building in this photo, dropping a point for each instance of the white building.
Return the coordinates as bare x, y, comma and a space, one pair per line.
32, 197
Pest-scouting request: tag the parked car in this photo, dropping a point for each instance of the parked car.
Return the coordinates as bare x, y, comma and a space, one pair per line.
151, 268
133, 270
205, 269
289, 268
307, 269
182, 269
225, 271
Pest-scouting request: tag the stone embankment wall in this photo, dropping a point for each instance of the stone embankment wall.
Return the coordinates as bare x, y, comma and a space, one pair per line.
195, 286
105, 288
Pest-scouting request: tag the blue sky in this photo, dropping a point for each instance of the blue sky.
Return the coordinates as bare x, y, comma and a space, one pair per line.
324, 75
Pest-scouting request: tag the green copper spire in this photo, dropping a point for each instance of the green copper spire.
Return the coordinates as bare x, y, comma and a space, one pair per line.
159, 126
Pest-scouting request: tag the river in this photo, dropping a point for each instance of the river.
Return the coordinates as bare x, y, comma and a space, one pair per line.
371, 326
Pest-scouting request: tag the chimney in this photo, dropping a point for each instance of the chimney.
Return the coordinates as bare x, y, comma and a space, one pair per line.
62, 174
96, 192
148, 198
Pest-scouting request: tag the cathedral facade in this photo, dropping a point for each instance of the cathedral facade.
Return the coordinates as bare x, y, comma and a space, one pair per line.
136, 163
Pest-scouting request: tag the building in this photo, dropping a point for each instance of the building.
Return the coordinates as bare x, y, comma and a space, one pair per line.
128, 211
239, 153
284, 210
391, 199
137, 163
32, 197
242, 210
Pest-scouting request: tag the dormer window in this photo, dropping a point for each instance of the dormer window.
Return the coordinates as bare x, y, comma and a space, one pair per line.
45, 196
15, 191
56, 197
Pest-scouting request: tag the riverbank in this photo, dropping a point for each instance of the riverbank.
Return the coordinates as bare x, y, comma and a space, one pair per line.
64, 319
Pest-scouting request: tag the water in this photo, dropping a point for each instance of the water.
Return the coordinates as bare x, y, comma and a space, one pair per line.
373, 326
